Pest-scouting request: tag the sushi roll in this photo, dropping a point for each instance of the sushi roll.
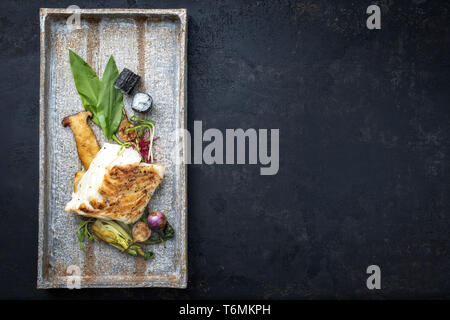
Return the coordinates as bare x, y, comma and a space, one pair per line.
142, 102
126, 81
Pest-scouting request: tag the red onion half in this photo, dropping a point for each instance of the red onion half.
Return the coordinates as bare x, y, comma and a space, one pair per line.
156, 220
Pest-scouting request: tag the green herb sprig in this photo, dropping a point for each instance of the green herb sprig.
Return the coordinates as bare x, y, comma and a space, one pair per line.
166, 234
141, 126
99, 96
83, 232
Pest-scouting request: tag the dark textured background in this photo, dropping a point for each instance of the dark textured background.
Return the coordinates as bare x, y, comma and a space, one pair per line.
364, 149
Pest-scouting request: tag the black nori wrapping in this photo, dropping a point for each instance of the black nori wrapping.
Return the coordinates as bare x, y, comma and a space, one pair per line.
126, 81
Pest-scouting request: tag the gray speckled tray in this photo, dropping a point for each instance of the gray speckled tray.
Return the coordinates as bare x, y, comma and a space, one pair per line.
153, 44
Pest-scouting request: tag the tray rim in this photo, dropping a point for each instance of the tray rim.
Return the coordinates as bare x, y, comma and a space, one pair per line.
172, 280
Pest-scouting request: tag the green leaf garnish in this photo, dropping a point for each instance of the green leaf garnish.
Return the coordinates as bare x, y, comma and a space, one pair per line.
99, 96
83, 232
165, 235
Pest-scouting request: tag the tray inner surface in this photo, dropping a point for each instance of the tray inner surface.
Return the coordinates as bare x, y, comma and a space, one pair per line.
152, 46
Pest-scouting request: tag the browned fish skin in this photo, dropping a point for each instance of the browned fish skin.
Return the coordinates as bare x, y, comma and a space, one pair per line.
87, 144
126, 191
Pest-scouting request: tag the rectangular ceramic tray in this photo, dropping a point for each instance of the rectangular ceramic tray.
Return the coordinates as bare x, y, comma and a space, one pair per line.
151, 43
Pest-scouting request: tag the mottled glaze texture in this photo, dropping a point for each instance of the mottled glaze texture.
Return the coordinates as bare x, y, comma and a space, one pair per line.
153, 42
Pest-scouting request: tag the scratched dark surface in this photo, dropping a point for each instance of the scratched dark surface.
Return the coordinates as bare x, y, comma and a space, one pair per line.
364, 173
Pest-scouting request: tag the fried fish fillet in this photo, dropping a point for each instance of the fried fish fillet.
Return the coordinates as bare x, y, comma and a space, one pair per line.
116, 186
